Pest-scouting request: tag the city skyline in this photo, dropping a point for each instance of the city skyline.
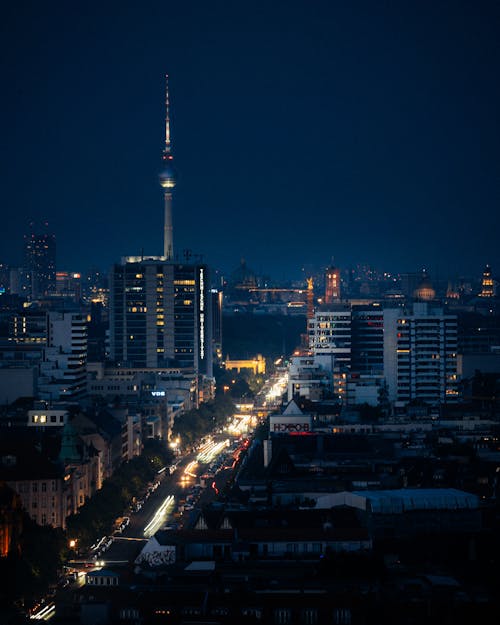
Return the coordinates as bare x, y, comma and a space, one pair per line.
300, 135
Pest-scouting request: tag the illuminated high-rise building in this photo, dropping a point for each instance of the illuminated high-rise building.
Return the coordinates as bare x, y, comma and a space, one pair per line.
329, 334
217, 299
167, 182
40, 262
487, 283
160, 315
332, 285
420, 354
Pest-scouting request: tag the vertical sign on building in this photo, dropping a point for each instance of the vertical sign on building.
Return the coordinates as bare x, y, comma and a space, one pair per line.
202, 314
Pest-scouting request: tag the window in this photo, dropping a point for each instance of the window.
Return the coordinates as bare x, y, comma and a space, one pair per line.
282, 616
309, 616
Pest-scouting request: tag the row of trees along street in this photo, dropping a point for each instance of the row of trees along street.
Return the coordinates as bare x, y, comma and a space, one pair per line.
96, 517
33, 567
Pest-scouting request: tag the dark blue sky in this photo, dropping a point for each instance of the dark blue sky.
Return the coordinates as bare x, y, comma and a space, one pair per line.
302, 130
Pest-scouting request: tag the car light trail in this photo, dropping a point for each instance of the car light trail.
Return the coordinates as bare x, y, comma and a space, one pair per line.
45, 613
159, 517
209, 454
189, 470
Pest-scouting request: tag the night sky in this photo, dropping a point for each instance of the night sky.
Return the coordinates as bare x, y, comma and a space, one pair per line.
302, 130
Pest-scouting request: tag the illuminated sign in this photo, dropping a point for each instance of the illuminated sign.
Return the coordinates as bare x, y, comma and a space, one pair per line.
158, 393
202, 314
290, 427
284, 424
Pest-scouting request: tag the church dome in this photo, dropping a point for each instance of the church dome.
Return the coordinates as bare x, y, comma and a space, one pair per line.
425, 291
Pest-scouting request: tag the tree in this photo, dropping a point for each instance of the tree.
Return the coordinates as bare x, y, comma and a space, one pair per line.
194, 424
28, 571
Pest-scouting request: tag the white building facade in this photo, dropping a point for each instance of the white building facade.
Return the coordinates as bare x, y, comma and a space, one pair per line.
63, 370
420, 355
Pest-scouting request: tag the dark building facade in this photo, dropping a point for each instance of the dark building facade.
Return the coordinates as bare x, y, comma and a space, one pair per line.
40, 263
367, 343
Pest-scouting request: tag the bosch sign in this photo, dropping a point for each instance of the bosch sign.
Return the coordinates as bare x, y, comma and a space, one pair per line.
290, 427
284, 424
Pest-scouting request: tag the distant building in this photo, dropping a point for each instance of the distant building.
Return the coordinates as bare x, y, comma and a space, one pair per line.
4, 278
332, 285
28, 327
40, 263
307, 378
69, 285
257, 364
409, 282
424, 292
487, 283
329, 335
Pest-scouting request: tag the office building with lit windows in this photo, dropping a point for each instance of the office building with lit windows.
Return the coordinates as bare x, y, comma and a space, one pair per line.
410, 354
329, 333
420, 355
160, 315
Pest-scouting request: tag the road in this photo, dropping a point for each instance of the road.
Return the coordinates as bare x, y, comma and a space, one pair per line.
171, 503
198, 478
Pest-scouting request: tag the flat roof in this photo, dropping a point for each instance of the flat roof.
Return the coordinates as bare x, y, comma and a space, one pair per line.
200, 565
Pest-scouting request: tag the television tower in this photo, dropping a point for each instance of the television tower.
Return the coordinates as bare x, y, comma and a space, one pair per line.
167, 181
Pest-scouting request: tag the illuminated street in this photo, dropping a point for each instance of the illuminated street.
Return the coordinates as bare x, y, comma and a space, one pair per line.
160, 516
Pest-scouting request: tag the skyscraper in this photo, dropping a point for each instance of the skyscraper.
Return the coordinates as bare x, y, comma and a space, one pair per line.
160, 315
40, 262
167, 182
420, 355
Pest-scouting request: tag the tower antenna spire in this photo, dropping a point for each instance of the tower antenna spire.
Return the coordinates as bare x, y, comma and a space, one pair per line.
168, 145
